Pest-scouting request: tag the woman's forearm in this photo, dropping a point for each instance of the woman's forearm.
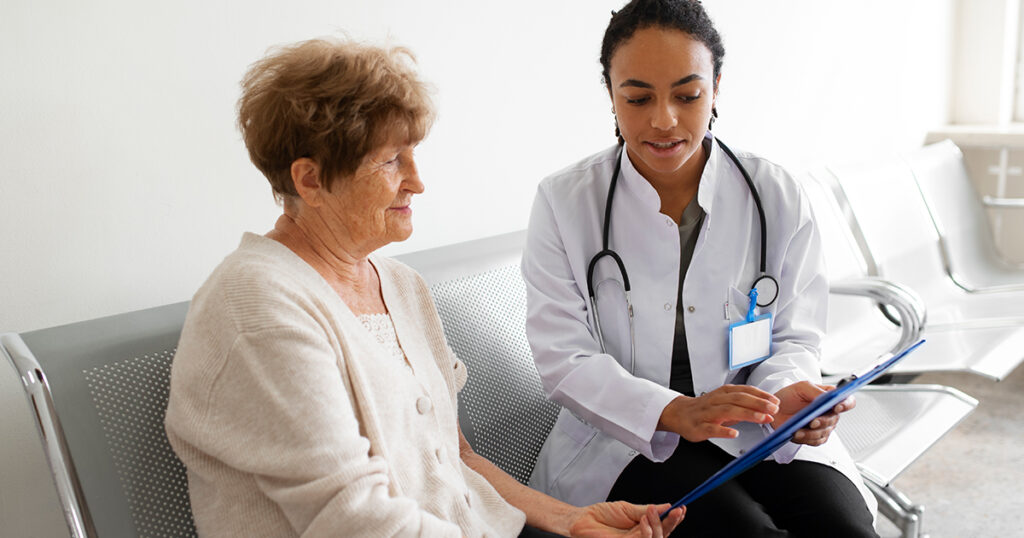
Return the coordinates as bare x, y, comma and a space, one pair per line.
542, 511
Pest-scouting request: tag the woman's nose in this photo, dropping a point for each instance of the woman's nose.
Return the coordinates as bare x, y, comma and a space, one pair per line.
412, 182
664, 118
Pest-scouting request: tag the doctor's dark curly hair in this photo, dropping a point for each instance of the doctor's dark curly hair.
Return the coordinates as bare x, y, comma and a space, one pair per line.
684, 15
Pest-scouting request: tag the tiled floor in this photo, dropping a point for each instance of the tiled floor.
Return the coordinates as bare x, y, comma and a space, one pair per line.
971, 482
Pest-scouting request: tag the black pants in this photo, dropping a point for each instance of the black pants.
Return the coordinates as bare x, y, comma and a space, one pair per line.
797, 499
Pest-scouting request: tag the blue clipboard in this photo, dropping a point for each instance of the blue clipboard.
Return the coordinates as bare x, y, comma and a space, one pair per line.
779, 437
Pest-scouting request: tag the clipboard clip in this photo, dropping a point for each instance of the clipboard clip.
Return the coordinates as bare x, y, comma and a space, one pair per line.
848, 379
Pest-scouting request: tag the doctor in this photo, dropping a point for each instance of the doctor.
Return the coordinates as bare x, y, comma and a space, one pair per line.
654, 399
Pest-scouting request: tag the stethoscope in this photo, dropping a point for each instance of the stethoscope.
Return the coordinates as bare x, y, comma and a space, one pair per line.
769, 287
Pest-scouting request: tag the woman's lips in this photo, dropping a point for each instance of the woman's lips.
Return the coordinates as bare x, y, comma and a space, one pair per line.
664, 148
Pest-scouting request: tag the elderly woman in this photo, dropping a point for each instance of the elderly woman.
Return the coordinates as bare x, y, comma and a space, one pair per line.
313, 392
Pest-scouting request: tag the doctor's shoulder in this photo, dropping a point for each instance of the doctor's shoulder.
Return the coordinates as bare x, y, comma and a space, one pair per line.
592, 171
777, 186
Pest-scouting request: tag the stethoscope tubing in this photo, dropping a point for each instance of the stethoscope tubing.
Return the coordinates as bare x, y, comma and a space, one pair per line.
610, 253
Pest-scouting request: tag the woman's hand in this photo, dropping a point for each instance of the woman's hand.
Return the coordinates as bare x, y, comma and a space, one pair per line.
624, 519
710, 414
794, 397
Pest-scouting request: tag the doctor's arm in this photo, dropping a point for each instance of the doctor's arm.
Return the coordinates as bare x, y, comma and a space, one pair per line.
593, 384
793, 372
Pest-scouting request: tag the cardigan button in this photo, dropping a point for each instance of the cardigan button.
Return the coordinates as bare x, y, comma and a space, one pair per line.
423, 405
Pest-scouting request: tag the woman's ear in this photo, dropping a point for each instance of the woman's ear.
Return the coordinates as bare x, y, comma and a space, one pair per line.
306, 178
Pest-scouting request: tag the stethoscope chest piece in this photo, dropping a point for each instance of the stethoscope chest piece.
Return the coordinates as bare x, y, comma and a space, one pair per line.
767, 290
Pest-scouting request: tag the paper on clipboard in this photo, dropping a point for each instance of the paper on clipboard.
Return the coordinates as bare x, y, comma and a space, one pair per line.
820, 405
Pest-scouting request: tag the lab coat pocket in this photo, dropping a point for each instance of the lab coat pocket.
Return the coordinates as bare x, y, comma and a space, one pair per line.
577, 430
567, 441
736, 306
614, 314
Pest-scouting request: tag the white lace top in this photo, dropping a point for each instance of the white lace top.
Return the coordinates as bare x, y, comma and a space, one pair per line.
383, 330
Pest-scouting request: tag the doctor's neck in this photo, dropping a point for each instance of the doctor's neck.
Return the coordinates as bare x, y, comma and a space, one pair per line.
675, 187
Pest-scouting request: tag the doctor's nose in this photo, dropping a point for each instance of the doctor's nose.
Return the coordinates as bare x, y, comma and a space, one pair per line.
664, 118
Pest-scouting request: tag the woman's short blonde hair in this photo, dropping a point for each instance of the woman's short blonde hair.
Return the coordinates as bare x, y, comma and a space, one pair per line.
332, 101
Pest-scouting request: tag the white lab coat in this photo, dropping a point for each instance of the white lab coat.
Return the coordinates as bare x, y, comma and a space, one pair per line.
609, 414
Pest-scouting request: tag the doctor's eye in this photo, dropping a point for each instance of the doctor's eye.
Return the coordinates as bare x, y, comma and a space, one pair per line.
638, 100
689, 98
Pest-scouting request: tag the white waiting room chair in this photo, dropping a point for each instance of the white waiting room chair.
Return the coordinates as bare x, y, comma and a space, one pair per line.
896, 239
957, 211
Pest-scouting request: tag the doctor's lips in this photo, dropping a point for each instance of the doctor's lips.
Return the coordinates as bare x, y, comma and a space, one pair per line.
664, 146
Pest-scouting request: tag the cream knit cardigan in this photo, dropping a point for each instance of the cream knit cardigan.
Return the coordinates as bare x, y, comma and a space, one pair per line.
293, 421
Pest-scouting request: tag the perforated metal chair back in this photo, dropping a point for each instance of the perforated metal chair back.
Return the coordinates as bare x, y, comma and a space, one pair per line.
481, 298
99, 389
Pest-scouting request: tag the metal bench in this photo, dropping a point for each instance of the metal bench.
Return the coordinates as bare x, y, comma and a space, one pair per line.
99, 388
893, 237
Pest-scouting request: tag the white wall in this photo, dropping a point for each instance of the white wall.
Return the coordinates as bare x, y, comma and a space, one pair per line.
123, 181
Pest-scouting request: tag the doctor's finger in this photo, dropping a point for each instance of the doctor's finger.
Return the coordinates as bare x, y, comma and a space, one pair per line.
747, 400
709, 430
813, 437
723, 413
828, 420
849, 403
746, 389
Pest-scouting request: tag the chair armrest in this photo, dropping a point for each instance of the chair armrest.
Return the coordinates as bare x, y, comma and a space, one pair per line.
1003, 203
37, 390
908, 304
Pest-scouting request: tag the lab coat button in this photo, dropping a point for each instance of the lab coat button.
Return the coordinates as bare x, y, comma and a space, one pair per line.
423, 405
633, 453
692, 308
668, 222
668, 306
743, 451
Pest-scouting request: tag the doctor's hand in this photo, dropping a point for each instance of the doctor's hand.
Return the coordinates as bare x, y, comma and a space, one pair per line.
624, 519
795, 397
710, 414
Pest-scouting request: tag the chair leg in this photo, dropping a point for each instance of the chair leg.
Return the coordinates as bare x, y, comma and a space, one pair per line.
895, 506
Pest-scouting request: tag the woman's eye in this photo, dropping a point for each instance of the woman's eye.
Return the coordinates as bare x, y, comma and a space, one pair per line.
689, 98
637, 101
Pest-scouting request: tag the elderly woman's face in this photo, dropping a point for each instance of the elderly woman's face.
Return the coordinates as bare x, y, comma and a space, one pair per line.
373, 205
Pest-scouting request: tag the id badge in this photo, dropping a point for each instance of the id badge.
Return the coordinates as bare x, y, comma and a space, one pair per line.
750, 342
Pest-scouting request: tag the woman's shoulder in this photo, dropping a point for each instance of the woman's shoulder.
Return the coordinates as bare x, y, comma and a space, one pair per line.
258, 284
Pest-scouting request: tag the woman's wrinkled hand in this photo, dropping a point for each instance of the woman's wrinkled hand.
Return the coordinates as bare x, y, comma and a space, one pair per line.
710, 414
624, 519
795, 397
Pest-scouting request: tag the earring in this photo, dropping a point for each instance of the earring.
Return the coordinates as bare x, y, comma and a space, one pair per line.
714, 116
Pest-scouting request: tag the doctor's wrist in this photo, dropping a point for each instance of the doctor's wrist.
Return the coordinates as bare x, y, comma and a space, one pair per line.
669, 421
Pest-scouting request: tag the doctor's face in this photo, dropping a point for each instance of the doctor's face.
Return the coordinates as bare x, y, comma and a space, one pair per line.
662, 90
